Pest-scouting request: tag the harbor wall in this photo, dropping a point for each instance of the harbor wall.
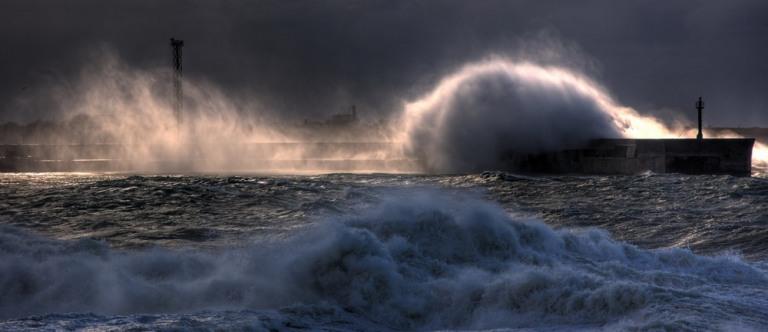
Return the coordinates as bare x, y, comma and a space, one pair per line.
600, 156
631, 156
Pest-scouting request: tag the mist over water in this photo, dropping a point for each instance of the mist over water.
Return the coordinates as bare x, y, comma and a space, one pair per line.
132, 108
470, 121
213, 132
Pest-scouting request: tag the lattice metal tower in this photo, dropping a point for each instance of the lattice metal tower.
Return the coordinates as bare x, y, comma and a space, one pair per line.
178, 105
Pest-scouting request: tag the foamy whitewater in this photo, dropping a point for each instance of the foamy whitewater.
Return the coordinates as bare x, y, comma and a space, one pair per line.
383, 252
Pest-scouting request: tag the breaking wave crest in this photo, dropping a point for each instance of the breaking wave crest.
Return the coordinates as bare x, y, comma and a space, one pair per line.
473, 118
423, 260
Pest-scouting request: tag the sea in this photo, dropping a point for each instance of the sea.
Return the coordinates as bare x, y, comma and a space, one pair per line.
492, 251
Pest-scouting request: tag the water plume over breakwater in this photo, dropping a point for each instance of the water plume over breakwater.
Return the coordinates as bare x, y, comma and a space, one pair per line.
481, 112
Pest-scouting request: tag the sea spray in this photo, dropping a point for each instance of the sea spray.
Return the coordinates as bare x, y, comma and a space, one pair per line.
419, 260
475, 117
125, 115
471, 120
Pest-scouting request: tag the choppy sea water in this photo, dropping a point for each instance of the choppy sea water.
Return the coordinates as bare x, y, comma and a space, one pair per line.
383, 252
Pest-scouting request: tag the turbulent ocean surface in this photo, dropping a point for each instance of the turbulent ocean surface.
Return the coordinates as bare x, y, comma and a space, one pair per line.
383, 252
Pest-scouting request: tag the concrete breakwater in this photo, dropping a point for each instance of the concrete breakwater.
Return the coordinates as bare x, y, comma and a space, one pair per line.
600, 156
731, 156
290, 157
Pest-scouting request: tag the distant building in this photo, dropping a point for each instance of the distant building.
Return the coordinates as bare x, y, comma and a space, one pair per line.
336, 120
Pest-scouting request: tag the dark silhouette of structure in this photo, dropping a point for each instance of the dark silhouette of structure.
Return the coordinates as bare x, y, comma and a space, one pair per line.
731, 156
344, 119
336, 120
699, 107
176, 46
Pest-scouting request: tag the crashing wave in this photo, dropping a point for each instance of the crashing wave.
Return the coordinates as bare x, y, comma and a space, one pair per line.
419, 261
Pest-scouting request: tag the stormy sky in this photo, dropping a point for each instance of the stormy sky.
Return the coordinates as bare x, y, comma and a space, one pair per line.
312, 58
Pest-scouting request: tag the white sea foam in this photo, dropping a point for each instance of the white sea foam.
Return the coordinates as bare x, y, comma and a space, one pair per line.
423, 260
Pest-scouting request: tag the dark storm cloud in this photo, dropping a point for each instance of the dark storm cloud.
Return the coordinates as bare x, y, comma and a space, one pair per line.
308, 58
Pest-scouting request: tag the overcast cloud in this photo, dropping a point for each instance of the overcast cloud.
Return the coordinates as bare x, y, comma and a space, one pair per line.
311, 58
